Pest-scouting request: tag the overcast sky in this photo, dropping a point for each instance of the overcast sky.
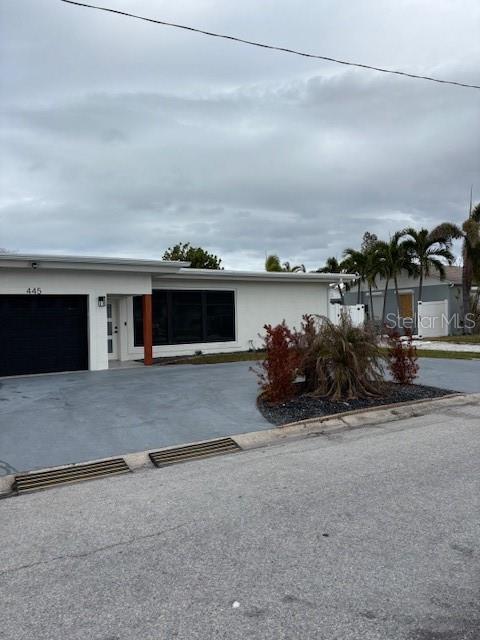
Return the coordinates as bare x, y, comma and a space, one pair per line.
120, 137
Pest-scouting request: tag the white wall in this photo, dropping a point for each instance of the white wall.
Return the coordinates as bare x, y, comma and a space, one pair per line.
71, 282
256, 304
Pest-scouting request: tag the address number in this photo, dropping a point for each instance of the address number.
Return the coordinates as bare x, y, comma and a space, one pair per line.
35, 291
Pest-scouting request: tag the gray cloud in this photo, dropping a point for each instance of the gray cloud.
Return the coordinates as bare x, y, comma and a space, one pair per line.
127, 144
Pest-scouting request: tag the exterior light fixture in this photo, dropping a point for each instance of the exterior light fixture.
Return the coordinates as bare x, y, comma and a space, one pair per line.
101, 301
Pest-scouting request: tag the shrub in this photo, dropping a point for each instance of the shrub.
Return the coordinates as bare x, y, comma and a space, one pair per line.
279, 369
342, 361
304, 340
402, 357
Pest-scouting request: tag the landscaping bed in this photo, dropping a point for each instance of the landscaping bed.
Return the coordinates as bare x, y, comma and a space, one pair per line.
305, 405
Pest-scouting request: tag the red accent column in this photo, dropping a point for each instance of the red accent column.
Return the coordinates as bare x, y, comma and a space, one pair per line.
147, 330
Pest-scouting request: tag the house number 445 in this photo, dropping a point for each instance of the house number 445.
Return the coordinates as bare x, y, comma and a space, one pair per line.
34, 291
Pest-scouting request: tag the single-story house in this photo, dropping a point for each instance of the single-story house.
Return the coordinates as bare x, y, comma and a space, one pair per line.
440, 307
68, 313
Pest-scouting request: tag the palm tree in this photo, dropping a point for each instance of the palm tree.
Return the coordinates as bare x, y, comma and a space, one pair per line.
272, 263
356, 262
332, 265
374, 269
299, 268
393, 259
428, 249
470, 234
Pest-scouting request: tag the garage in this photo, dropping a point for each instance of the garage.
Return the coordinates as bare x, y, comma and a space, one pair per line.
43, 333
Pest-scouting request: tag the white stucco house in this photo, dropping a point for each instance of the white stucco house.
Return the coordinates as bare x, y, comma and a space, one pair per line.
69, 313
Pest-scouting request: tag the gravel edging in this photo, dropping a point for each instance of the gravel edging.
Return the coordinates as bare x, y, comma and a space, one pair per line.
306, 407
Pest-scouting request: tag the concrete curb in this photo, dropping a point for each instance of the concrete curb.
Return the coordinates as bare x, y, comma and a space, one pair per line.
293, 431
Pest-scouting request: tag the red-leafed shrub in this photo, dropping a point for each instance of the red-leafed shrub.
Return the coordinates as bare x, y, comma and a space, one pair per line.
279, 369
402, 357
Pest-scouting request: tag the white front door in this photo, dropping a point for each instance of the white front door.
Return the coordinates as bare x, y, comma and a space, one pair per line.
112, 329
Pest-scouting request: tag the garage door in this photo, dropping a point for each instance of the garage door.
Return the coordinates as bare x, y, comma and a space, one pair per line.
42, 333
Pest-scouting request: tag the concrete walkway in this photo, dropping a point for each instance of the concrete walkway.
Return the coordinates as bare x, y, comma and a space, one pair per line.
446, 346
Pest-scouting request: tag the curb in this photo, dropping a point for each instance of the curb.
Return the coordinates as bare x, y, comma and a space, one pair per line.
335, 423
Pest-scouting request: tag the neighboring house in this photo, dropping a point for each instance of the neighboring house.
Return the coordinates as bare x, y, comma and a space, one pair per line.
67, 313
439, 298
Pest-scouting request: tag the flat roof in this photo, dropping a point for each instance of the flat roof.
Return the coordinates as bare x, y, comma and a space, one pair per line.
172, 268
212, 274
90, 262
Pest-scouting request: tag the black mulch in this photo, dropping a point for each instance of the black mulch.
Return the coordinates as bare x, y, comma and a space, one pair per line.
306, 406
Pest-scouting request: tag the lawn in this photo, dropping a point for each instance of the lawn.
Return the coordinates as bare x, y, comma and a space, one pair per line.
245, 356
473, 339
450, 355
213, 358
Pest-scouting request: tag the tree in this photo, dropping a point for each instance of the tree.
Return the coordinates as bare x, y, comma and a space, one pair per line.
272, 263
373, 268
428, 249
332, 265
199, 258
392, 260
369, 241
356, 262
469, 233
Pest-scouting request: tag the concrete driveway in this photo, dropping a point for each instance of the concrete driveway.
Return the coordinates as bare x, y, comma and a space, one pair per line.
57, 419
62, 418
458, 375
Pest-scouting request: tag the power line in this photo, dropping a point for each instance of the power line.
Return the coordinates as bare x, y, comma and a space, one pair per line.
271, 47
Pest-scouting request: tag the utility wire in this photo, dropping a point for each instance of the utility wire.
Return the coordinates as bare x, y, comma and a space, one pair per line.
269, 46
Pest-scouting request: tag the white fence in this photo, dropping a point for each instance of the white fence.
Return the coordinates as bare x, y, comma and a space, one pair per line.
355, 311
433, 320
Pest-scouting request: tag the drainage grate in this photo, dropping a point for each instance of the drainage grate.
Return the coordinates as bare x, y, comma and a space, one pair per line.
193, 452
27, 482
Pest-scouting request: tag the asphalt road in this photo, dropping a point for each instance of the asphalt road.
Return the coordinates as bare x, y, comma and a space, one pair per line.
370, 535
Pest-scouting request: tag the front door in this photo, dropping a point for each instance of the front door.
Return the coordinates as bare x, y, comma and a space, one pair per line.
112, 329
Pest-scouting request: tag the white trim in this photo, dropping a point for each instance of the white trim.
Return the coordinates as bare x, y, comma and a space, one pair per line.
260, 276
39, 261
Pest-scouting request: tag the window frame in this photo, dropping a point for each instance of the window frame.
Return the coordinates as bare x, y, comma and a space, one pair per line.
169, 293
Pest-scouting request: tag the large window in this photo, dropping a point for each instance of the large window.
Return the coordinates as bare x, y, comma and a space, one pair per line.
187, 316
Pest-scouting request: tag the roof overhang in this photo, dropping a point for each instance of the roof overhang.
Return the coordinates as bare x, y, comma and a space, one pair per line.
89, 263
261, 276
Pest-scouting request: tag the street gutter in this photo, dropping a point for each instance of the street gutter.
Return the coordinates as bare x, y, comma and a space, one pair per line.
311, 427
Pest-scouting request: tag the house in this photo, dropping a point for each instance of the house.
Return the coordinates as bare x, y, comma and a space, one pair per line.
68, 313
439, 311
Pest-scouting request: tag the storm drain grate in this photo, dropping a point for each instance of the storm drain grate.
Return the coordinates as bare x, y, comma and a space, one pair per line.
193, 452
44, 479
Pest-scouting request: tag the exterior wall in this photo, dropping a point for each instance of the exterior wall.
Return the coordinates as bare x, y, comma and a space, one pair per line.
90, 283
256, 304
433, 290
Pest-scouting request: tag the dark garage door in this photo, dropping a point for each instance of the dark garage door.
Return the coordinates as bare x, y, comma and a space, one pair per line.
42, 333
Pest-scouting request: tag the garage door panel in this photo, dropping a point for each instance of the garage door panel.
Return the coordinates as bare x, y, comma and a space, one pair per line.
43, 334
